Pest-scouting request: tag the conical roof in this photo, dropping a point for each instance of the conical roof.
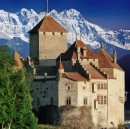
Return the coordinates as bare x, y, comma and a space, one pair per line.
48, 24
60, 66
17, 58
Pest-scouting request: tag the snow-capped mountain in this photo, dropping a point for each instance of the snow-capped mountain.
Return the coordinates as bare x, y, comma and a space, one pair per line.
16, 25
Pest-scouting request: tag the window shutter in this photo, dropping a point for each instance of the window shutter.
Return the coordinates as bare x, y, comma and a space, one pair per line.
95, 104
94, 87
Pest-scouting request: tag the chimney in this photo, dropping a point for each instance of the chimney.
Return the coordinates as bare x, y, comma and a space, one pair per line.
84, 52
102, 46
115, 57
78, 53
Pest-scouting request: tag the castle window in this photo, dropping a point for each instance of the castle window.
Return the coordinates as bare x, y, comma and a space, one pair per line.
47, 86
95, 104
94, 87
98, 85
84, 87
102, 86
68, 86
61, 33
85, 101
68, 101
102, 99
105, 85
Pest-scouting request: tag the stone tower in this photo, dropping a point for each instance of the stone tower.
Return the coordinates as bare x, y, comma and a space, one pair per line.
47, 40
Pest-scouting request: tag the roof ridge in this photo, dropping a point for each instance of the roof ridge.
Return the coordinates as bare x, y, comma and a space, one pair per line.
48, 24
76, 76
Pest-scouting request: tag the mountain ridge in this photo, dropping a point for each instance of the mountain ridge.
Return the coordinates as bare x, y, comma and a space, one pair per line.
16, 25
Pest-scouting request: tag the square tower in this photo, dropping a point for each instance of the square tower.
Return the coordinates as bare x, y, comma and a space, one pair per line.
47, 40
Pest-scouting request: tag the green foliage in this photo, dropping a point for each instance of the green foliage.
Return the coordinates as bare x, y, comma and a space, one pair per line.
121, 126
15, 99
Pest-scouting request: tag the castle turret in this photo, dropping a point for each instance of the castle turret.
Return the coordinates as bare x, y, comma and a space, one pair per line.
114, 57
60, 69
84, 51
17, 59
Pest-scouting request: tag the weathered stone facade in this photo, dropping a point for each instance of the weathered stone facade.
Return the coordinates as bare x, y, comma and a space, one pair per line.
83, 78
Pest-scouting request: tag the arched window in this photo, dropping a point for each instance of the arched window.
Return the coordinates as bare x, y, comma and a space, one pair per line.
68, 101
85, 101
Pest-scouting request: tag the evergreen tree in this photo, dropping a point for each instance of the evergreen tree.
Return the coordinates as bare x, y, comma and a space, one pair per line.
15, 99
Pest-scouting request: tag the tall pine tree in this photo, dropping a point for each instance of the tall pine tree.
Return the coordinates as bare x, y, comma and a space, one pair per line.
15, 99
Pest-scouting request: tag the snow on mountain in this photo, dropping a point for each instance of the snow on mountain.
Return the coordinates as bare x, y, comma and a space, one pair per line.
90, 33
16, 25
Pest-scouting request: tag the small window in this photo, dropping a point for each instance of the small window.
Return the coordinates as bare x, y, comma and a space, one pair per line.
105, 99
98, 85
102, 100
68, 101
68, 87
84, 87
85, 101
61, 33
105, 85
102, 86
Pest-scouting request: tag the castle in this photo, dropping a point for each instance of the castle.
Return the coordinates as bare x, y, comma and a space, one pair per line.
76, 76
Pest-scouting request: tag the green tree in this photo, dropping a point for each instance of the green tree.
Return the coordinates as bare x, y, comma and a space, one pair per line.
15, 99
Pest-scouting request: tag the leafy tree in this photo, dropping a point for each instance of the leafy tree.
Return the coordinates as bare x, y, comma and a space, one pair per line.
15, 99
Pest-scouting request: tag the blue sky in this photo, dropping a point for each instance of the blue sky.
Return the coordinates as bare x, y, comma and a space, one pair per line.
112, 14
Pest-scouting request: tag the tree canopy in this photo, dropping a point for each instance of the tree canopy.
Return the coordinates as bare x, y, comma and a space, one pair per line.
15, 98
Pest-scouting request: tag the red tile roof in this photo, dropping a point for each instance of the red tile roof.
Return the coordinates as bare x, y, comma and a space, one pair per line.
106, 61
71, 53
48, 24
74, 76
17, 58
95, 74
109, 72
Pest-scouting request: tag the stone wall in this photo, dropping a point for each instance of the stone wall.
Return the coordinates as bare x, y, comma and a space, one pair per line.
51, 45
76, 118
70, 116
34, 45
44, 93
102, 108
67, 88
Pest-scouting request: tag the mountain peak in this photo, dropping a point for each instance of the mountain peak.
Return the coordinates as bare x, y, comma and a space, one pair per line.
23, 21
